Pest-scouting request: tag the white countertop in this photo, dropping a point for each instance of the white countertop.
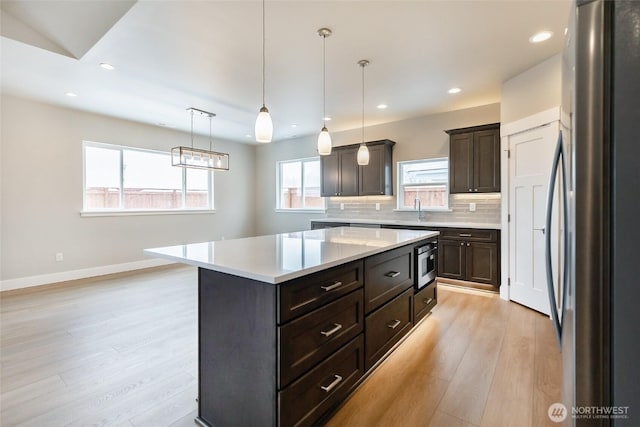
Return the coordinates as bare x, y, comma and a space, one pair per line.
281, 257
479, 225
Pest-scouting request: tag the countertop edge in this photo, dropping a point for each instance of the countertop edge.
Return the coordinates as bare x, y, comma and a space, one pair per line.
426, 224
274, 280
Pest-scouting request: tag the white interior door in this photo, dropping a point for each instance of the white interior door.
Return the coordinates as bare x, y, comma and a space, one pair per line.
529, 168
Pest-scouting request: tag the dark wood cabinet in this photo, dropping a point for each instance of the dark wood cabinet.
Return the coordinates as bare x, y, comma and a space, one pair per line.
339, 173
474, 159
469, 255
387, 275
386, 326
342, 176
424, 300
375, 178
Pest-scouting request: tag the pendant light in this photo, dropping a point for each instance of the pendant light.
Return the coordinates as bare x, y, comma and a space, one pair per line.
190, 157
324, 139
363, 151
264, 125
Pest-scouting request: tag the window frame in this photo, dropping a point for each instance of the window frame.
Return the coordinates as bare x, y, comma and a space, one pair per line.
121, 210
279, 180
400, 186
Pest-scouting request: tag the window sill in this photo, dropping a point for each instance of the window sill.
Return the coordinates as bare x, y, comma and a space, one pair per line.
425, 210
149, 212
303, 211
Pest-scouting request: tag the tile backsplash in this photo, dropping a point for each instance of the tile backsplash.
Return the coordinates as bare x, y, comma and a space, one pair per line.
487, 209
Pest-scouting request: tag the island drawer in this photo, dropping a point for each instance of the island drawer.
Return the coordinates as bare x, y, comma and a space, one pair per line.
470, 235
323, 388
387, 275
309, 339
300, 296
385, 327
424, 301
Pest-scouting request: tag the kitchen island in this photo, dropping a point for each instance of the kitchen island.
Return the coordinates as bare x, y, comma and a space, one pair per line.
290, 324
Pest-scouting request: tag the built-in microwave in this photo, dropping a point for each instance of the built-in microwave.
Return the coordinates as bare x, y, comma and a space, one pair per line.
426, 261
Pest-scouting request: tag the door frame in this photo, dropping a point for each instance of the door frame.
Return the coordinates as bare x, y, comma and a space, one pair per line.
550, 116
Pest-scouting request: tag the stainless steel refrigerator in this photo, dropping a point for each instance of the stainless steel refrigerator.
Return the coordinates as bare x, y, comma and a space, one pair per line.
598, 170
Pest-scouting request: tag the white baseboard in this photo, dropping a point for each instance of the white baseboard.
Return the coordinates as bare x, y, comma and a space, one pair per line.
64, 276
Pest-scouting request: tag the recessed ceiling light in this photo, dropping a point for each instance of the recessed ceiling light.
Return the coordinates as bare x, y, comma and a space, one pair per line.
454, 90
71, 94
327, 119
381, 106
540, 37
107, 66
293, 125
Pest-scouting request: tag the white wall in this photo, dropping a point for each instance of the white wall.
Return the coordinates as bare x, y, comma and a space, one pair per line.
41, 180
417, 138
536, 89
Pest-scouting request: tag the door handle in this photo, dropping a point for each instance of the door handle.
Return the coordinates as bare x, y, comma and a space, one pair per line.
334, 383
465, 235
392, 274
331, 287
427, 301
336, 328
394, 324
558, 162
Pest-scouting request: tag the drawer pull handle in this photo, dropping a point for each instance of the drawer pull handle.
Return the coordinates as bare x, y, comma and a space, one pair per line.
336, 328
465, 235
331, 287
392, 274
427, 301
394, 324
334, 383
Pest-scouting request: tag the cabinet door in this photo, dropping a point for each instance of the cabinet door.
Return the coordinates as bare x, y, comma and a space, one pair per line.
451, 259
461, 163
373, 177
348, 172
330, 174
486, 161
482, 262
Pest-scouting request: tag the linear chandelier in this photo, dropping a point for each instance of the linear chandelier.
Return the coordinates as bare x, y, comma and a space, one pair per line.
190, 157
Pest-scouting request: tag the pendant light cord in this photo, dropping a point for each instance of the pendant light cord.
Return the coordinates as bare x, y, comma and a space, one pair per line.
324, 80
210, 138
192, 129
363, 65
263, 51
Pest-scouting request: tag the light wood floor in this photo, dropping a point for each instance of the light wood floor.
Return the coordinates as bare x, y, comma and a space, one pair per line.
122, 352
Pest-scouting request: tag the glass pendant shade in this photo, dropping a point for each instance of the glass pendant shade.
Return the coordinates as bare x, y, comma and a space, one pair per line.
324, 142
363, 155
264, 126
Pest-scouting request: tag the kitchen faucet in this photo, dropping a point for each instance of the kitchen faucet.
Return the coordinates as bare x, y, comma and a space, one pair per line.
417, 205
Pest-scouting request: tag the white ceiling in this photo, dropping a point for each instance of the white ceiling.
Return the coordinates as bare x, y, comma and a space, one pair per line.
171, 55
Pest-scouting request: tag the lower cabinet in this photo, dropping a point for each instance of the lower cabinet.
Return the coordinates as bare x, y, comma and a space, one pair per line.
305, 401
469, 255
387, 325
424, 300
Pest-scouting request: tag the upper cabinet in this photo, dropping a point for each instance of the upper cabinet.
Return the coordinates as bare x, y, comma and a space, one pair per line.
342, 176
474, 159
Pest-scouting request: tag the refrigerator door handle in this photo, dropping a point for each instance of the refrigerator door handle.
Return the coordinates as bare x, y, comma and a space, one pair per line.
558, 162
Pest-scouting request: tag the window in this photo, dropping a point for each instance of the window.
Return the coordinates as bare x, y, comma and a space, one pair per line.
118, 178
427, 180
299, 184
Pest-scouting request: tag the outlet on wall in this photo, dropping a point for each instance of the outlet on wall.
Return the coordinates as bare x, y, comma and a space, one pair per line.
59, 256
472, 207
377, 206
341, 206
